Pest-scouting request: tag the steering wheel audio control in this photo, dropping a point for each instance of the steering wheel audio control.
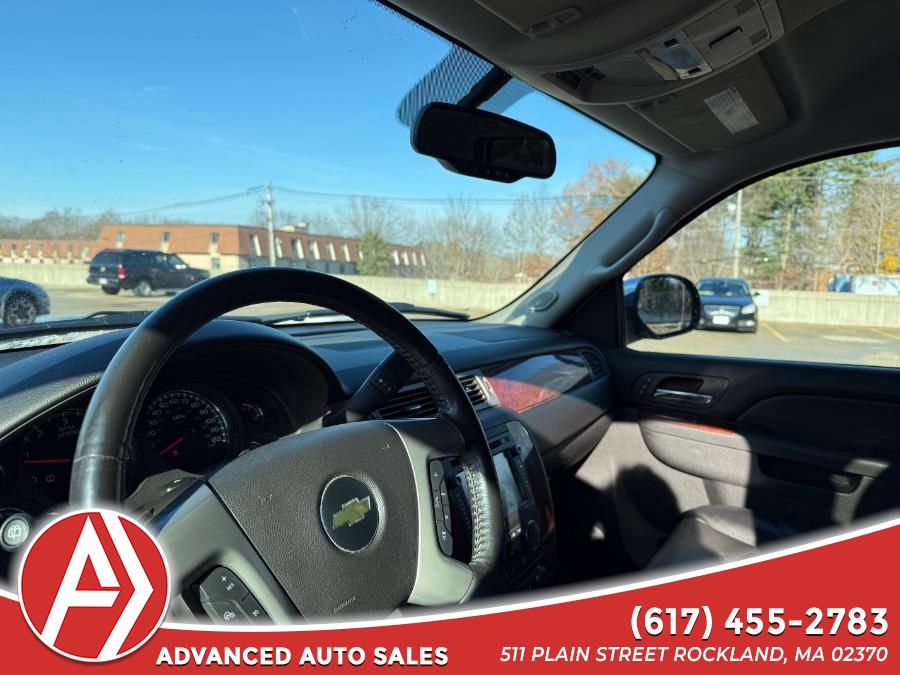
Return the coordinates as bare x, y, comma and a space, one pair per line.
440, 502
226, 600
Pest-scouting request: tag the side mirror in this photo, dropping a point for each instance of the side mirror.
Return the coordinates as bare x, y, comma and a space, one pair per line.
755, 294
659, 306
482, 144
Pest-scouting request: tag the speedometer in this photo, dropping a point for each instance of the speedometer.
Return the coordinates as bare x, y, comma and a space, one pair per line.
187, 430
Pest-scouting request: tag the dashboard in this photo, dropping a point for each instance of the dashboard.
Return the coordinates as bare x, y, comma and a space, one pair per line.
235, 386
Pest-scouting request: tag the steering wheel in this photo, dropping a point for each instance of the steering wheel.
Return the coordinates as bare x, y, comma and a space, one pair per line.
338, 519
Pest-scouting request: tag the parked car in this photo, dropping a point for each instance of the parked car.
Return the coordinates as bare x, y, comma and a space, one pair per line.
727, 304
21, 302
141, 271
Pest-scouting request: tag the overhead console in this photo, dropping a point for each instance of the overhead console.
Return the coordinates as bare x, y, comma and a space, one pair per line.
691, 68
719, 38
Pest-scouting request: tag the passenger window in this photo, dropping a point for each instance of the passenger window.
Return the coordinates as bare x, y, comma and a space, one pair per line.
803, 265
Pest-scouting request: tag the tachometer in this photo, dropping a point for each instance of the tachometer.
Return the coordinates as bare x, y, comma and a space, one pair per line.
186, 430
47, 451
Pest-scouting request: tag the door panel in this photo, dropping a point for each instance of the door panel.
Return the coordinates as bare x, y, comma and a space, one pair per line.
803, 445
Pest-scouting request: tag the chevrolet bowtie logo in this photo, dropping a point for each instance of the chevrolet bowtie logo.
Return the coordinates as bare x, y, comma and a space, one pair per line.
351, 512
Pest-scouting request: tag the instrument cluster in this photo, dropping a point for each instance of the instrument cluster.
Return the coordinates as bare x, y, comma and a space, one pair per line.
187, 426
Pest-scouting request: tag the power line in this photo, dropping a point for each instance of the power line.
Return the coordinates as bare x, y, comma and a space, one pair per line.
199, 202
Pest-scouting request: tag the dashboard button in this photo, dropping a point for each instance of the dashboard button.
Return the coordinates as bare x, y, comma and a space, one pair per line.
14, 531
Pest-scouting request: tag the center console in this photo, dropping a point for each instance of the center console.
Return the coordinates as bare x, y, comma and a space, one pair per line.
525, 496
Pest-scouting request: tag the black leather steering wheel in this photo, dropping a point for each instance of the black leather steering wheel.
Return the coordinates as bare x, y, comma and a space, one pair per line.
333, 520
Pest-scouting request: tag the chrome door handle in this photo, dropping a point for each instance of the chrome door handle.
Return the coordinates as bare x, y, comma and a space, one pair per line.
676, 396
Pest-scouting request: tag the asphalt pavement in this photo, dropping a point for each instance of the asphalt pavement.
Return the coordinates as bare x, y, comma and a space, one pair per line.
795, 342
790, 341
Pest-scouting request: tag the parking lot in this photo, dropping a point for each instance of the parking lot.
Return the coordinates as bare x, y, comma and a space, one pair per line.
791, 341
796, 342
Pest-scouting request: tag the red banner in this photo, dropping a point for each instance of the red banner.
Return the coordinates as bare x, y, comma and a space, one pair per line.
817, 608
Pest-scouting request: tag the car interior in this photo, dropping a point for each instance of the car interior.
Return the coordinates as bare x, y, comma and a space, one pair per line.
382, 464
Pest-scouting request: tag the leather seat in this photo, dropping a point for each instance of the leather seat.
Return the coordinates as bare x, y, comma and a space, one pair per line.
715, 532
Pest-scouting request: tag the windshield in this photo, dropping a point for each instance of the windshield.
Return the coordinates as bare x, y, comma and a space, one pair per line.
147, 146
723, 287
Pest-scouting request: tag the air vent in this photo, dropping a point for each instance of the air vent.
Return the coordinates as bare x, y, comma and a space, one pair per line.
415, 401
593, 361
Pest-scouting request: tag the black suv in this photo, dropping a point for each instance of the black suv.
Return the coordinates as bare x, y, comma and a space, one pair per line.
142, 271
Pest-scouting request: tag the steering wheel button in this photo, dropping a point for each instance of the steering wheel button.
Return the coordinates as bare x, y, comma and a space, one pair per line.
383, 382
445, 540
222, 584
224, 611
436, 503
436, 470
254, 611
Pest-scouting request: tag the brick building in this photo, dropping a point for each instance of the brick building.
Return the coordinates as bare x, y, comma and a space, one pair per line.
217, 247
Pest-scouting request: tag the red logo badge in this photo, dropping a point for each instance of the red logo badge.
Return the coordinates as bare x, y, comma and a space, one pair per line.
94, 585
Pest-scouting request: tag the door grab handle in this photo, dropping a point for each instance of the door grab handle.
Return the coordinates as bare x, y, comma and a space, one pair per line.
676, 396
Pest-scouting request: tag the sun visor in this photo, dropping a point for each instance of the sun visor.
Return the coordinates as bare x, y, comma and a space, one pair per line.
724, 111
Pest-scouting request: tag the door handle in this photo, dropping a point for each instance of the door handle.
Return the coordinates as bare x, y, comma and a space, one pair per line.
677, 396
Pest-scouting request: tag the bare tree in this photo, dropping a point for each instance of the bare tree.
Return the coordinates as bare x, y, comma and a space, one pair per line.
530, 235
462, 243
372, 215
588, 201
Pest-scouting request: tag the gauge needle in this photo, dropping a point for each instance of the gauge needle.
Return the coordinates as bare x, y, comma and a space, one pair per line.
174, 444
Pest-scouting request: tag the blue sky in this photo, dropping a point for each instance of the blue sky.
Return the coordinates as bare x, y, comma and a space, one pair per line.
128, 105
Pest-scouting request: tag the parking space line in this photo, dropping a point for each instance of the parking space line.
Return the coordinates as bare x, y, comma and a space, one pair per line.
776, 333
885, 333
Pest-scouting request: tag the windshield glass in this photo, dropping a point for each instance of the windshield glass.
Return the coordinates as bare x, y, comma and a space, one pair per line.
726, 287
147, 146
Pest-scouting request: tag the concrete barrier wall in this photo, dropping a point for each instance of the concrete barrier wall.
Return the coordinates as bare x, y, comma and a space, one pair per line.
470, 296
48, 273
832, 309
835, 309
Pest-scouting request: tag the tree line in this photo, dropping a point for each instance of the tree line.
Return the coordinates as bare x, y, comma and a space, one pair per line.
796, 229
463, 240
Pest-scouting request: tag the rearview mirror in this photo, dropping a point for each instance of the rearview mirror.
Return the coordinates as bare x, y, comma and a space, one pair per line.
482, 144
659, 306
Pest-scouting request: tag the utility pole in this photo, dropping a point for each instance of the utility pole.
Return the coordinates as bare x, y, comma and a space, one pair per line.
736, 245
271, 225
